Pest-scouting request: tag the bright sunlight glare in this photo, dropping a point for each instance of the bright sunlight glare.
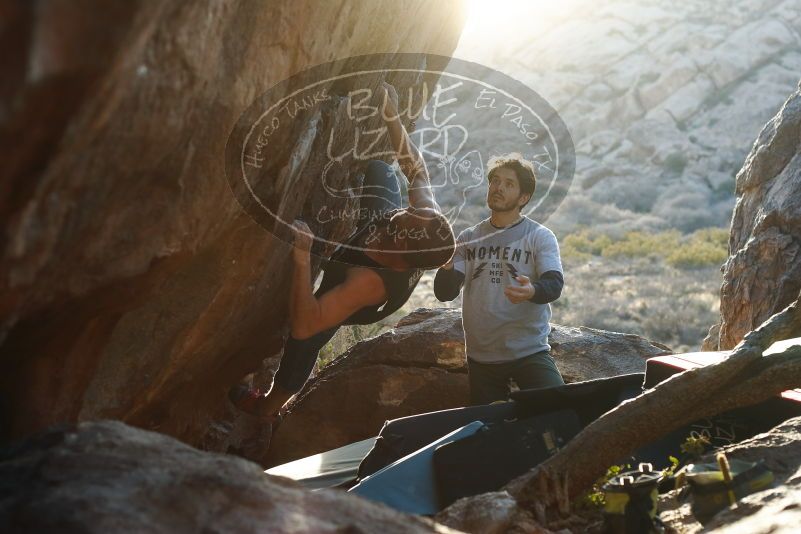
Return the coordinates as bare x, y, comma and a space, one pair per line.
494, 27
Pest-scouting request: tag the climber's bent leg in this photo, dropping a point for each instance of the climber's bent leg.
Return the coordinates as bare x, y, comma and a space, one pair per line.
297, 364
381, 192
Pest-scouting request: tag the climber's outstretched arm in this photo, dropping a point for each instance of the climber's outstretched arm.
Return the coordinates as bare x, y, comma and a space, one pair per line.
409, 156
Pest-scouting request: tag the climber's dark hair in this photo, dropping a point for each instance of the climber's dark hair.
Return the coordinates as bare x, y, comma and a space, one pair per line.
435, 243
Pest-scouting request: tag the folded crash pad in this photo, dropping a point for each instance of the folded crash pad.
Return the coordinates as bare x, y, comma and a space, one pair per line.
328, 469
500, 452
402, 436
589, 399
408, 484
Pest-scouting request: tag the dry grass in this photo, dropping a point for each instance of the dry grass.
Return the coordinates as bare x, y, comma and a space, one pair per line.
644, 296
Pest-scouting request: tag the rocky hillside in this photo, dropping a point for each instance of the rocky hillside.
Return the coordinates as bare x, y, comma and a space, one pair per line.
133, 286
663, 100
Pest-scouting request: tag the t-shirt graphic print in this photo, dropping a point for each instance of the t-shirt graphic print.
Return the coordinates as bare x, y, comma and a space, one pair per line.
491, 258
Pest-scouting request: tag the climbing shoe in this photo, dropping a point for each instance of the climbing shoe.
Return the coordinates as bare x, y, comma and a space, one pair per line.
246, 398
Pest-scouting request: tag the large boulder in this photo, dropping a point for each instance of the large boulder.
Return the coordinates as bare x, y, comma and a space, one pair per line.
587, 353
496, 512
133, 286
414, 368
419, 366
763, 273
109, 477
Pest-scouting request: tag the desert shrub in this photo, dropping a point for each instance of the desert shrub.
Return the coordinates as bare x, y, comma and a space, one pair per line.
715, 236
696, 255
690, 218
702, 248
642, 245
596, 497
681, 315
628, 191
573, 255
583, 244
708, 246
691, 207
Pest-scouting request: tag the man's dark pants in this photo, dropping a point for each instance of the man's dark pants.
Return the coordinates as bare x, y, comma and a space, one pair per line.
489, 382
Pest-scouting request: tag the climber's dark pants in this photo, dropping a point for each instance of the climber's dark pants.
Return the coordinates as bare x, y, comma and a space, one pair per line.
380, 193
299, 358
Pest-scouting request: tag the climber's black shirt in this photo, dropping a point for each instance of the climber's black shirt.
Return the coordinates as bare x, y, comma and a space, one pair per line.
398, 284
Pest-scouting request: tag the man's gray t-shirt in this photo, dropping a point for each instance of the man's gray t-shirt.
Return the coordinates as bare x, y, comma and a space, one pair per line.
490, 258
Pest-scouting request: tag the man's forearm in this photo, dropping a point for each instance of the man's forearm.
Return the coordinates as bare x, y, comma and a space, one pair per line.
548, 288
447, 284
303, 306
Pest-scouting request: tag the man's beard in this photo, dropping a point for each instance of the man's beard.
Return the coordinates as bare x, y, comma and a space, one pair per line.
501, 206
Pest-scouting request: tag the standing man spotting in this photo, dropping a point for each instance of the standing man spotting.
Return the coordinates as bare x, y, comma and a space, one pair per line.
368, 278
506, 315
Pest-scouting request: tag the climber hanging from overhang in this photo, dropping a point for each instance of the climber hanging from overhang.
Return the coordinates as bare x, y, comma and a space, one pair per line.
367, 278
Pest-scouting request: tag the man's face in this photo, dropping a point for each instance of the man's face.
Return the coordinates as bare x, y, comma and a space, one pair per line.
503, 193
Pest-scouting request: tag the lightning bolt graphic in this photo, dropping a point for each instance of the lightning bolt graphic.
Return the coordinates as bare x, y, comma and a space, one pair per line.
512, 270
479, 270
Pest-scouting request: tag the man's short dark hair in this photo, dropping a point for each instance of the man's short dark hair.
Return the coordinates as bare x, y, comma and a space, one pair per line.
524, 170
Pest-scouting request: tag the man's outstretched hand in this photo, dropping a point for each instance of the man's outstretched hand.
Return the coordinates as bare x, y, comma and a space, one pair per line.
521, 293
303, 241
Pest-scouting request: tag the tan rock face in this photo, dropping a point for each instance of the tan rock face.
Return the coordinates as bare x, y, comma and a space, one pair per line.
133, 285
420, 367
763, 273
109, 477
